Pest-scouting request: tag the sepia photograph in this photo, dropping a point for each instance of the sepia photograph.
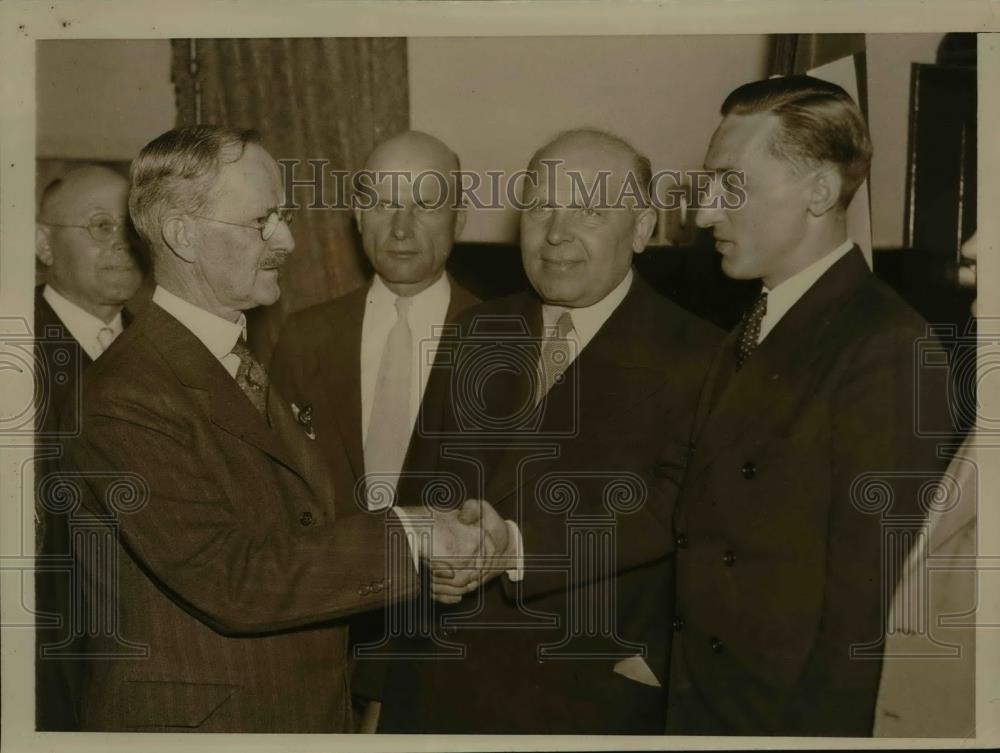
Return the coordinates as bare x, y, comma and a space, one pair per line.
387, 371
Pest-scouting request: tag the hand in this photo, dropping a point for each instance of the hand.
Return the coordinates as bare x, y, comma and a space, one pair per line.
454, 576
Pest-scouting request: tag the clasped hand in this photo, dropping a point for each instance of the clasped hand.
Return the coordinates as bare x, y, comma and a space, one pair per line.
468, 547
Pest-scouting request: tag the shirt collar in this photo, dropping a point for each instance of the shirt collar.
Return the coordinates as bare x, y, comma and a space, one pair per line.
786, 294
81, 324
424, 305
217, 334
587, 320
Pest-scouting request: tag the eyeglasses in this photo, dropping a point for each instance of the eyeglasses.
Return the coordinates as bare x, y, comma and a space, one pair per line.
266, 225
102, 227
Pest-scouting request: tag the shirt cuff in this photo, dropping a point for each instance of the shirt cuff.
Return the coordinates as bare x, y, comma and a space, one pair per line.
516, 573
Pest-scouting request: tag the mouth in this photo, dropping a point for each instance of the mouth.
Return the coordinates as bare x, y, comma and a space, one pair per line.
722, 245
271, 265
560, 265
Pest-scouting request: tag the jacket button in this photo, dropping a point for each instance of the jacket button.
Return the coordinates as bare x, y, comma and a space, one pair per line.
306, 518
681, 541
661, 469
749, 470
678, 623
729, 558
716, 644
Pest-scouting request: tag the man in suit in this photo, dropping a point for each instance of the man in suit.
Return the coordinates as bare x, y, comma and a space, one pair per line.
344, 357
216, 567
569, 407
807, 468
331, 356
90, 272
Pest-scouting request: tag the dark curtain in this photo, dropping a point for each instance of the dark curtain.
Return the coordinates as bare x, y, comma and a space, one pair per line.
310, 99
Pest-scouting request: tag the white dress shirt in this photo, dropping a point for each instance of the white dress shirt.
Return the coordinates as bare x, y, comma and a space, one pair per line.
82, 325
587, 320
787, 294
217, 334
426, 316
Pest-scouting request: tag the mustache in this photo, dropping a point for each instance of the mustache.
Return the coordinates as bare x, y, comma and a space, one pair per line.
273, 260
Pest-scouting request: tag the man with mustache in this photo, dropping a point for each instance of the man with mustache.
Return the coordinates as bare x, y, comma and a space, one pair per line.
808, 470
90, 273
569, 406
226, 565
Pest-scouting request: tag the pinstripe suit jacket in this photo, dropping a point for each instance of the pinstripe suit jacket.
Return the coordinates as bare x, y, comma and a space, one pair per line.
221, 572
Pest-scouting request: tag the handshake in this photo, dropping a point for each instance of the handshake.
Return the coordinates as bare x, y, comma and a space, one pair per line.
465, 548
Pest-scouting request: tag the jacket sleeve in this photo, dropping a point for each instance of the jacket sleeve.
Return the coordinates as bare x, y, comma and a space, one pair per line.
174, 518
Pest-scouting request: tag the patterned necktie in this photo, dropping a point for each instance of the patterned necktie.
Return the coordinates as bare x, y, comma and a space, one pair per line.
251, 377
105, 336
555, 356
389, 422
751, 330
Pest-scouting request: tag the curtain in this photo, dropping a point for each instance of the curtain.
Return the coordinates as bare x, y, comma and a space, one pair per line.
310, 99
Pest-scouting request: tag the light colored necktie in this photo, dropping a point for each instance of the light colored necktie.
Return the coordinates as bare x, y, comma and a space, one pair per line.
105, 336
389, 423
555, 356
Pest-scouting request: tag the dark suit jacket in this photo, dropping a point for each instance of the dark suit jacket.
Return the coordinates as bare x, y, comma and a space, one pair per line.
219, 566
317, 362
613, 435
60, 360
781, 520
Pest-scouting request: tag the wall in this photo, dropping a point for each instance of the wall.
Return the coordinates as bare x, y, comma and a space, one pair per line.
102, 99
496, 100
889, 58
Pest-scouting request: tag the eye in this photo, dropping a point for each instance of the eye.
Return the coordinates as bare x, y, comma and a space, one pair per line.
589, 212
387, 205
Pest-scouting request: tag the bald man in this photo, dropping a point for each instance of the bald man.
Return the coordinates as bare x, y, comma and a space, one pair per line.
585, 458
358, 361
90, 273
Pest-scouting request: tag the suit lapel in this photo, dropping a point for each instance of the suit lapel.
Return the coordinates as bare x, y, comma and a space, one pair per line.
617, 370
196, 368
750, 396
303, 451
342, 345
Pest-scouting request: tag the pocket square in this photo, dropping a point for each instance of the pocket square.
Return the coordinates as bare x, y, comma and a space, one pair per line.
636, 669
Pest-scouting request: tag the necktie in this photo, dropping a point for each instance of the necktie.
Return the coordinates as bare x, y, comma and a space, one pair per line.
555, 357
389, 423
105, 336
251, 377
751, 330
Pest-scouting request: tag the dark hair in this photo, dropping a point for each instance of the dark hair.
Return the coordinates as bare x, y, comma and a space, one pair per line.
817, 122
177, 170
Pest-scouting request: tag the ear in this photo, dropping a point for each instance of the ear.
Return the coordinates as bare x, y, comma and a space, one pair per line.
824, 190
175, 235
43, 245
460, 218
642, 231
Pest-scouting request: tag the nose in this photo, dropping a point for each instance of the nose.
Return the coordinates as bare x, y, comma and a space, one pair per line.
282, 240
708, 212
559, 230
402, 223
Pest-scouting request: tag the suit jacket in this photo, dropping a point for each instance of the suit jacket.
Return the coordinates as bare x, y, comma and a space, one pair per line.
317, 362
60, 360
214, 564
600, 456
806, 460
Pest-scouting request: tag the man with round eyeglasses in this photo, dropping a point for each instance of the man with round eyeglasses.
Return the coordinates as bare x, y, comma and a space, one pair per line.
90, 273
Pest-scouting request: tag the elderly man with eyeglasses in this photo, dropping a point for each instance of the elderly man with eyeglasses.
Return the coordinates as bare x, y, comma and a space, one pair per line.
90, 272
225, 569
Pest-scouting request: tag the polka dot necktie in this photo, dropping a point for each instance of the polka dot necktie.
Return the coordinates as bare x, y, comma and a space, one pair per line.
751, 330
